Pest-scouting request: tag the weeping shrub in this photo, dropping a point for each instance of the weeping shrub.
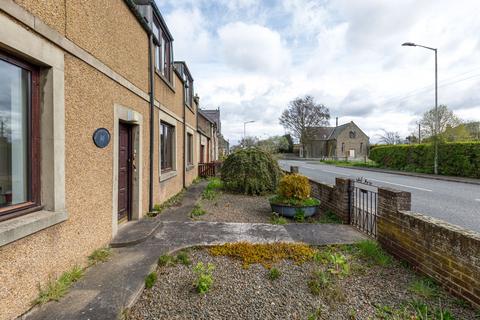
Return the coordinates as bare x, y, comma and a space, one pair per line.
250, 171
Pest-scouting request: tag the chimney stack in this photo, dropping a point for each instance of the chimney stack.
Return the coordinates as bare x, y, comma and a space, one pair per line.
336, 122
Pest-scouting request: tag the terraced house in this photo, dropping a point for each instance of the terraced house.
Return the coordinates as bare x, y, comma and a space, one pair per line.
97, 125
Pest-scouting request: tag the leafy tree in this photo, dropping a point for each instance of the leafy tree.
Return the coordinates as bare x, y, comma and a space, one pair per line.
446, 118
247, 142
274, 144
389, 137
290, 144
302, 115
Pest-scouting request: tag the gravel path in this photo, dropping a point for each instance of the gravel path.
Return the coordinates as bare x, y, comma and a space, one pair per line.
239, 293
228, 207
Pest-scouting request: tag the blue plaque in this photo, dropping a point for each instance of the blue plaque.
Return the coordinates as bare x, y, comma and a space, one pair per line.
101, 137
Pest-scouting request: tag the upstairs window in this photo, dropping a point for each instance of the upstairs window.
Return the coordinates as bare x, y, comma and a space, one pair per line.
167, 147
189, 91
352, 134
19, 137
163, 51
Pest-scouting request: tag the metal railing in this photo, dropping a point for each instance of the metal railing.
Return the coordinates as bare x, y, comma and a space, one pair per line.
364, 206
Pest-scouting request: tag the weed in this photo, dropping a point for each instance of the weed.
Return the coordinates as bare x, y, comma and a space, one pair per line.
340, 266
274, 274
55, 289
183, 258
175, 200
319, 281
265, 253
329, 217
99, 255
166, 261
371, 251
334, 295
198, 211
424, 287
299, 215
150, 280
212, 189
277, 219
315, 315
204, 277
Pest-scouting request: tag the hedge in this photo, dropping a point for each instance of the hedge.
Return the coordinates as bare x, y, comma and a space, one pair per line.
454, 159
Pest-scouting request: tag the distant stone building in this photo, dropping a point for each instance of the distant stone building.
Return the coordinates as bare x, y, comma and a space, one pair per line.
346, 141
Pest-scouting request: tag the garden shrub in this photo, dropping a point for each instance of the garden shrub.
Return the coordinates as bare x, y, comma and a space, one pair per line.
250, 171
294, 186
454, 159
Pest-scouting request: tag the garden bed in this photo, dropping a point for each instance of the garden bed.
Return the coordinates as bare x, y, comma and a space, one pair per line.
342, 282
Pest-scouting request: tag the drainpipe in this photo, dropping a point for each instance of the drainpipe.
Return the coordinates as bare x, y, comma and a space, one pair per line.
152, 117
184, 141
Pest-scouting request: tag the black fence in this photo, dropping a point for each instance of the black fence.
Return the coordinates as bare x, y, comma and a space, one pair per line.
364, 206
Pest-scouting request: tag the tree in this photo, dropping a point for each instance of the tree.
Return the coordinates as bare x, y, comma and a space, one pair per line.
273, 144
249, 142
289, 139
302, 115
446, 118
389, 137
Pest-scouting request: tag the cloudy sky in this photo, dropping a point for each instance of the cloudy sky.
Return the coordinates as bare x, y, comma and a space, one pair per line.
250, 58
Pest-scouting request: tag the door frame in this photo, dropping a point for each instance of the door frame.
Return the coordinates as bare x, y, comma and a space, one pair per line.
135, 119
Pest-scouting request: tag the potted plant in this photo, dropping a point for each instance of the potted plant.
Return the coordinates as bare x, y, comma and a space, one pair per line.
293, 198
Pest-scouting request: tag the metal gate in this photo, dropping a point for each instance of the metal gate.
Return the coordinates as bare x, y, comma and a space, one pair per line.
364, 206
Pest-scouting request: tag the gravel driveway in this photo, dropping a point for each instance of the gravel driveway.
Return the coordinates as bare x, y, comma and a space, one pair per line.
227, 207
239, 293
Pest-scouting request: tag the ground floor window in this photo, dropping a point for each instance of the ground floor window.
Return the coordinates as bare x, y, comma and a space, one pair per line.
19, 136
189, 148
167, 148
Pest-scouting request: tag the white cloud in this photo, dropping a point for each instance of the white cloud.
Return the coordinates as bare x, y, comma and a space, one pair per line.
253, 47
252, 57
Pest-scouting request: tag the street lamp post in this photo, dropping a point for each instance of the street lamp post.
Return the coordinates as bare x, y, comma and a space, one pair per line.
245, 129
435, 161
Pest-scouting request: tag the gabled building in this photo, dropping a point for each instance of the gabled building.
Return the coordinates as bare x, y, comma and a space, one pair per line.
346, 141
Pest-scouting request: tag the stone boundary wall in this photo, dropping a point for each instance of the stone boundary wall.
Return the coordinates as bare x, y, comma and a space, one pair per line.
444, 252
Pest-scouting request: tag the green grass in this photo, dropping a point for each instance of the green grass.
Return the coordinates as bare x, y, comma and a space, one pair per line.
212, 189
99, 255
344, 163
183, 258
274, 274
424, 287
175, 200
198, 211
150, 280
329, 217
277, 219
371, 251
167, 260
55, 289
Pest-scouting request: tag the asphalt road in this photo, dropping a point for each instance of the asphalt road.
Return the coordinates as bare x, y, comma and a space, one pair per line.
454, 202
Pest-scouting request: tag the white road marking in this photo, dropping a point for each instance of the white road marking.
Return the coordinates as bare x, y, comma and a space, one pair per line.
477, 200
401, 185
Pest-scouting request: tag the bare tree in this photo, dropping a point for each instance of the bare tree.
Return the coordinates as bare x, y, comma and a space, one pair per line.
446, 118
389, 137
302, 115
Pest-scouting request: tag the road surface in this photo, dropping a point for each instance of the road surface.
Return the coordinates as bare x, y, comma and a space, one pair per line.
454, 202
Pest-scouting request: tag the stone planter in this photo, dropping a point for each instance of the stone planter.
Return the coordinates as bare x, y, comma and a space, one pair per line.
290, 211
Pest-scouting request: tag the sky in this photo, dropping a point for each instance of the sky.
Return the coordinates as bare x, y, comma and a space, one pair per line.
251, 58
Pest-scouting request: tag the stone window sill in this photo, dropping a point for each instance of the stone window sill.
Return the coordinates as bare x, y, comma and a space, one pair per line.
20, 227
167, 175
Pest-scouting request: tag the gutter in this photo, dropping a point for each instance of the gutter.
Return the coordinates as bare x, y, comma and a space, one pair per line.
184, 141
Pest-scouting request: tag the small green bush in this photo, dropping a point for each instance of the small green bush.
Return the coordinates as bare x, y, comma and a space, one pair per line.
198, 211
299, 215
183, 258
150, 280
277, 219
166, 261
250, 171
212, 189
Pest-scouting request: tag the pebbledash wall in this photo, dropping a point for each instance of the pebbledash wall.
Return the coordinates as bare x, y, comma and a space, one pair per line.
93, 60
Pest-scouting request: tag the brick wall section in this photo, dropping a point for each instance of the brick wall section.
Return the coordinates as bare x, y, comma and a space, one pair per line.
447, 253
334, 198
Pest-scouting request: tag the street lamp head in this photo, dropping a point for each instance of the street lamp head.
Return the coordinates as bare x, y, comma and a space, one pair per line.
408, 44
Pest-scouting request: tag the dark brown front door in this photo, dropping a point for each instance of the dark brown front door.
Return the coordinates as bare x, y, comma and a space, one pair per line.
124, 171
202, 153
